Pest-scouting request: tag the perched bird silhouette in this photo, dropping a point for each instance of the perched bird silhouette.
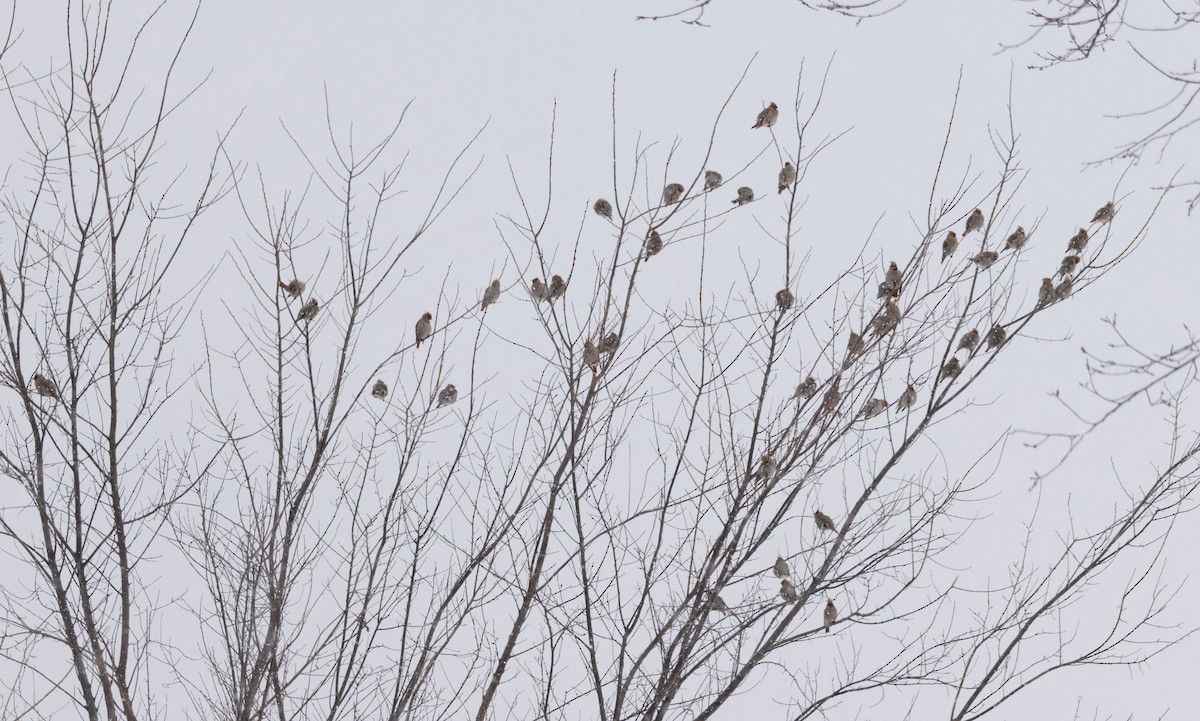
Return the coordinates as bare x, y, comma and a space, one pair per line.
424, 328
745, 195
907, 399
308, 311
603, 208
672, 193
951, 369
1068, 265
833, 396
45, 387
985, 259
824, 522
610, 343
767, 468
974, 221
1063, 291
1016, 240
558, 287
788, 591
890, 287
717, 603
491, 294
784, 299
787, 176
830, 615
874, 407
379, 390
949, 245
766, 117
1078, 241
996, 336
712, 180
654, 244
448, 395
781, 568
969, 340
293, 287
807, 389
538, 290
1105, 214
1046, 292
591, 356
887, 321
854, 348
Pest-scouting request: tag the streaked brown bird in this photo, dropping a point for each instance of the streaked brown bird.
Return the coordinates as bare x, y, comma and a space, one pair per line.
308, 311
424, 327
45, 387
766, 117
996, 336
969, 340
784, 299
745, 194
907, 399
781, 568
1105, 214
887, 321
557, 288
1078, 241
603, 208
787, 176
610, 343
716, 603
1068, 265
788, 591
854, 348
974, 221
379, 390
712, 180
539, 291
591, 356
874, 407
985, 259
824, 522
293, 287
890, 287
1046, 292
1016, 240
806, 390
767, 468
833, 396
830, 617
949, 245
952, 368
654, 244
447, 396
491, 294
672, 193
1063, 291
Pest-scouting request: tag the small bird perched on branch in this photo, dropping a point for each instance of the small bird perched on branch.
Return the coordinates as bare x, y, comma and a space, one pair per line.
1046, 293
951, 369
424, 328
558, 287
767, 468
824, 522
1016, 240
890, 287
766, 117
1068, 265
712, 180
830, 615
745, 194
887, 321
985, 259
907, 399
1078, 241
832, 397
379, 390
716, 603
491, 294
949, 245
448, 395
807, 389
974, 221
781, 568
45, 387
854, 348
308, 311
1063, 291
787, 176
610, 343
996, 336
538, 291
293, 287
672, 193
591, 356
788, 591
1105, 214
603, 208
874, 407
654, 244
969, 340
784, 299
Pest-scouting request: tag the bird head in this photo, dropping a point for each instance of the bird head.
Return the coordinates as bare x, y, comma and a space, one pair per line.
426, 316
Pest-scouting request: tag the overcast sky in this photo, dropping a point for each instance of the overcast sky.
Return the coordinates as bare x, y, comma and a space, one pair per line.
891, 86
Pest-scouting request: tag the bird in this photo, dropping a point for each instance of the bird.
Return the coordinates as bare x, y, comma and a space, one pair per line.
45, 387
832, 397
557, 288
974, 221
784, 299
672, 193
654, 244
824, 522
717, 603
907, 399
610, 343
1078, 241
293, 287
448, 395
887, 321
787, 176
767, 468
969, 340
985, 259
1105, 214
1063, 291
766, 117
806, 390
603, 208
951, 369
949, 245
830, 615
853, 349
591, 356
308, 311
788, 591
1068, 265
745, 194
538, 290
890, 287
424, 328
379, 390
1046, 292
1016, 240
996, 336
874, 407
781, 567
712, 180
491, 294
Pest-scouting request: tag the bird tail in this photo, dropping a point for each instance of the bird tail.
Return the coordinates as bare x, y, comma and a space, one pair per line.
826, 629
782, 188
